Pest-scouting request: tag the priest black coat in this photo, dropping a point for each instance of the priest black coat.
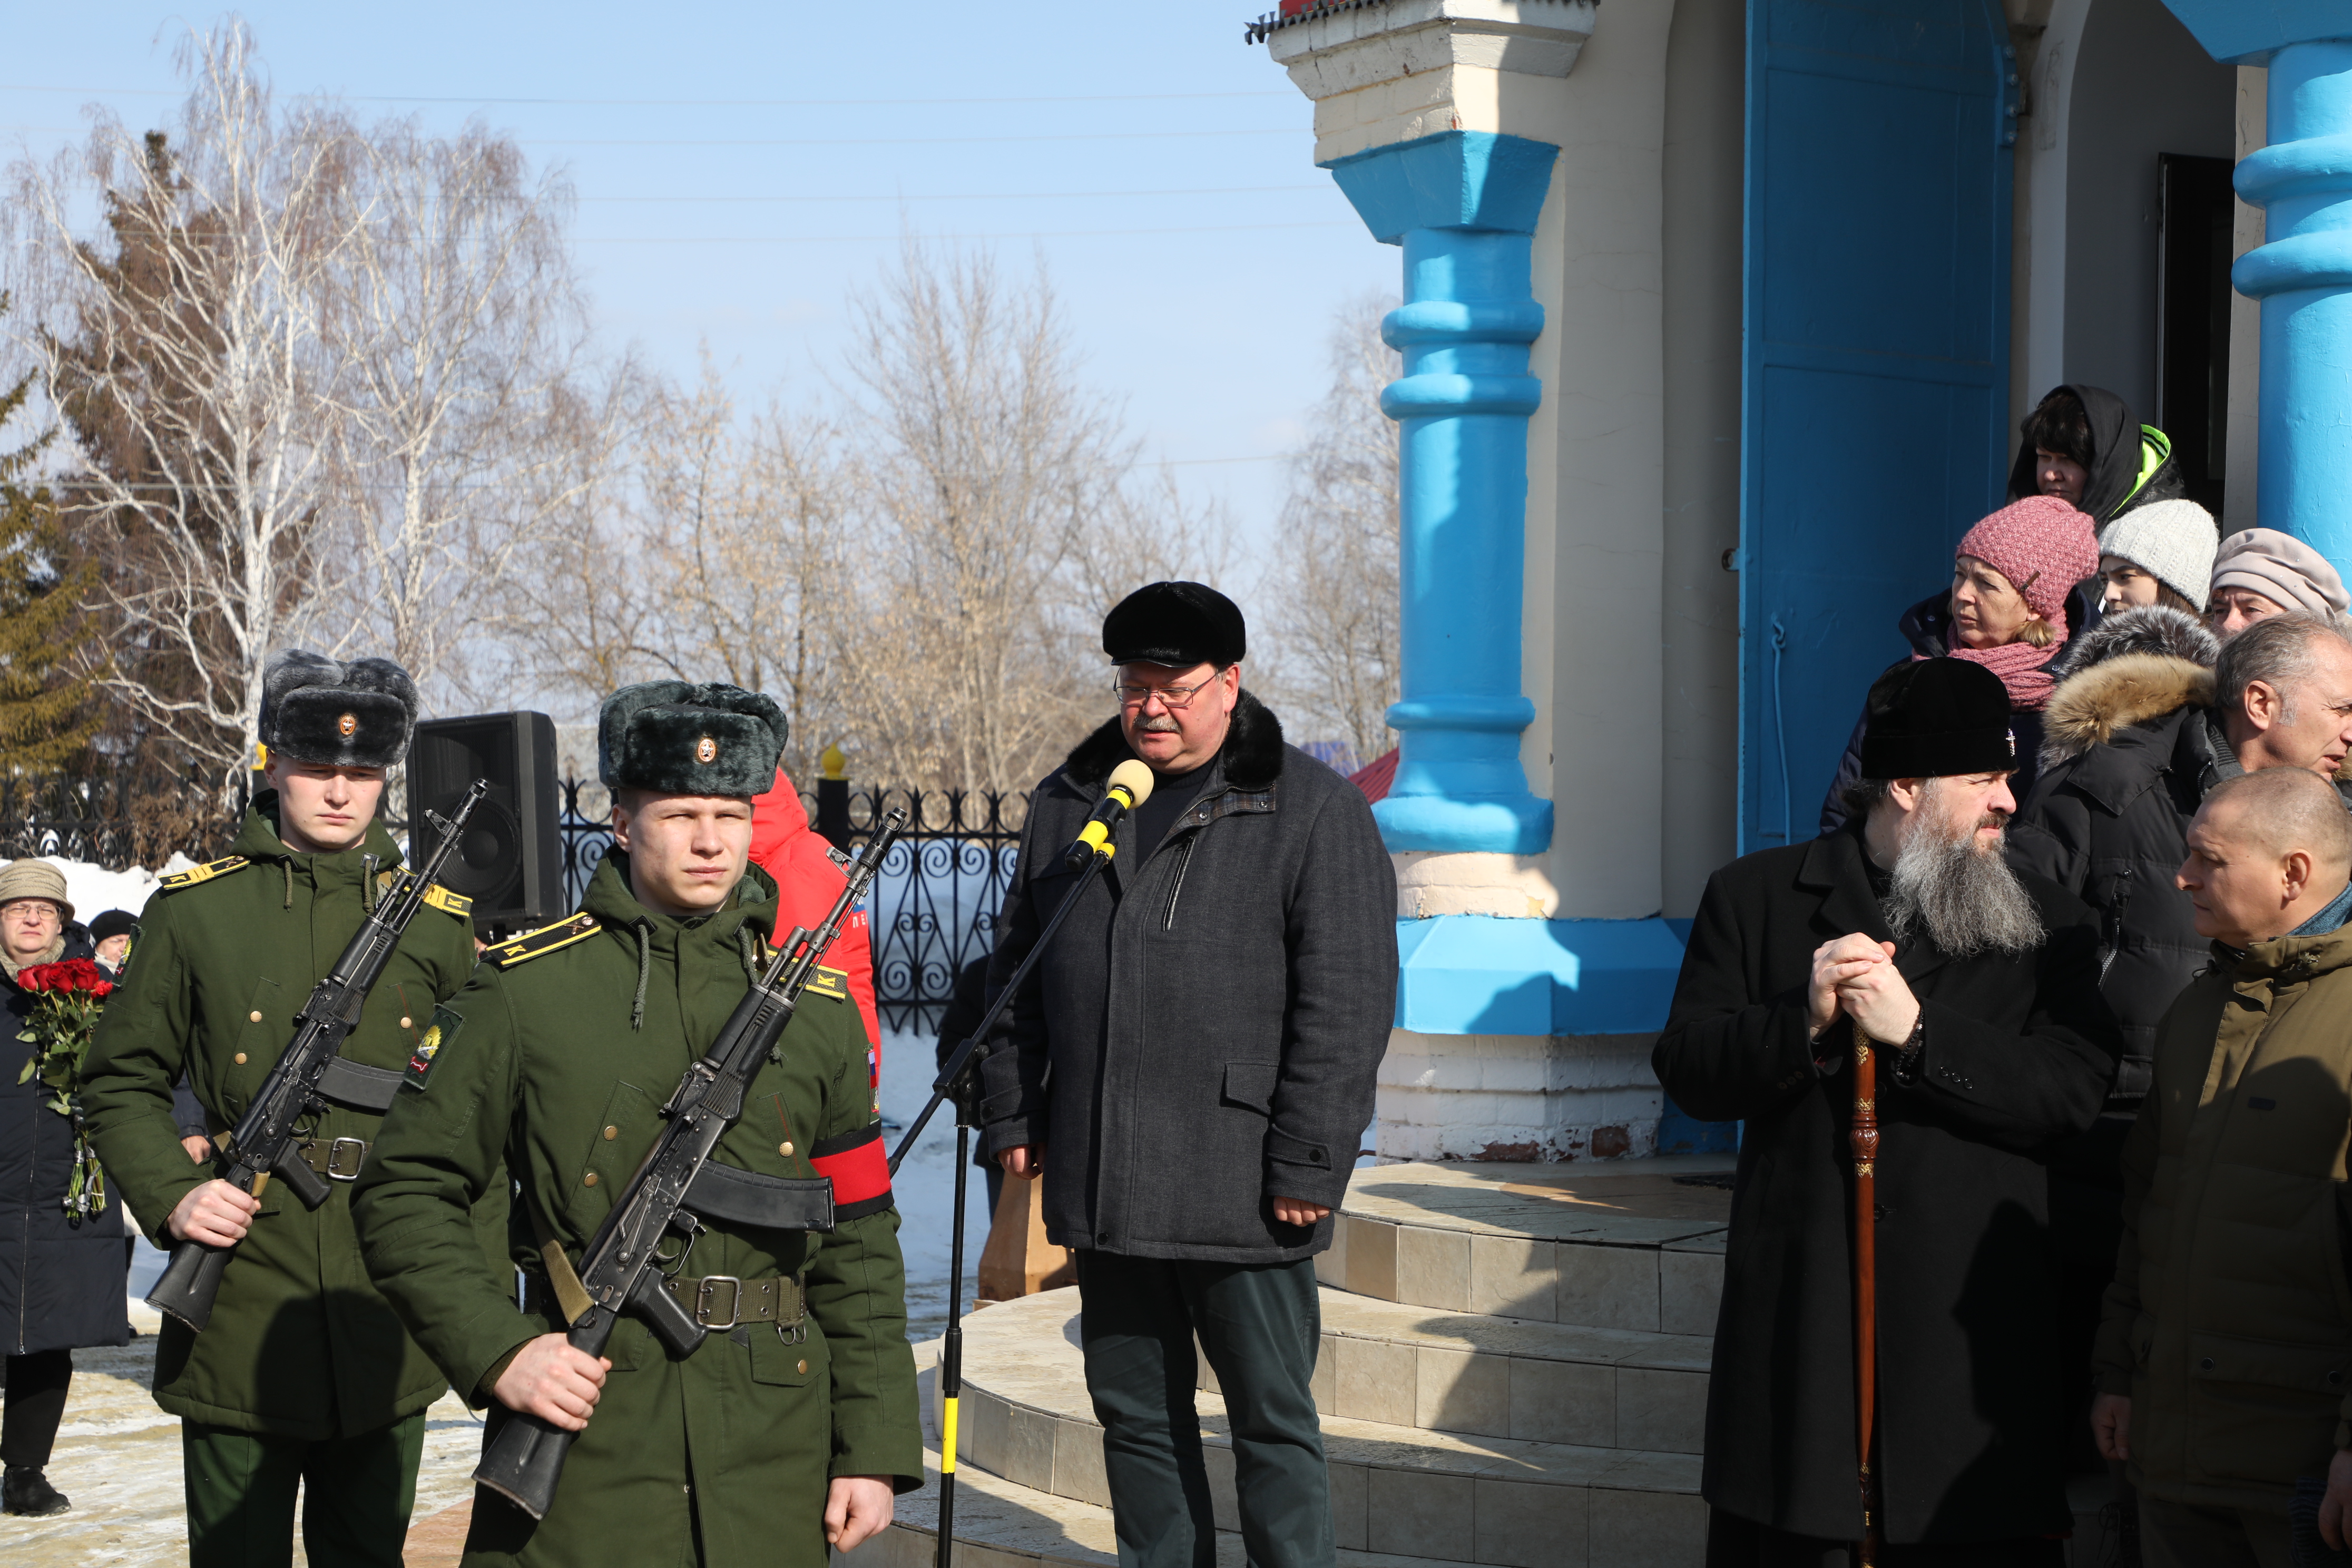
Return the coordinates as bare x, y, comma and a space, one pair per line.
2019, 1052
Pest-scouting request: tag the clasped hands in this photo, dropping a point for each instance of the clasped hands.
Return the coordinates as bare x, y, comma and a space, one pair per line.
1856, 976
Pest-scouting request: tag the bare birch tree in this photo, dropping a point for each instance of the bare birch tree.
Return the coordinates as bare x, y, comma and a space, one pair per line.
188, 357
1335, 573
462, 330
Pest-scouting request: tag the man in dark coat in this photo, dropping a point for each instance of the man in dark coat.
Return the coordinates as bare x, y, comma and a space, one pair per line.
1192, 1065
1979, 988
61, 1272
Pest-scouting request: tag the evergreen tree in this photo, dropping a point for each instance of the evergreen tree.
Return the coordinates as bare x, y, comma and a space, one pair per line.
46, 712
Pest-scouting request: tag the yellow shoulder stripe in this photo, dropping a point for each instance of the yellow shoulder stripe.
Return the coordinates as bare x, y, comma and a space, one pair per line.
205, 873
832, 983
533, 944
441, 898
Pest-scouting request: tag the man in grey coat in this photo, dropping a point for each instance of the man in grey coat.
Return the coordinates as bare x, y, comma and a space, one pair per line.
1190, 1068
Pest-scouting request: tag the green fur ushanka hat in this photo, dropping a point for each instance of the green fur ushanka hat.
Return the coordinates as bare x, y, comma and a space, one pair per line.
672, 737
319, 710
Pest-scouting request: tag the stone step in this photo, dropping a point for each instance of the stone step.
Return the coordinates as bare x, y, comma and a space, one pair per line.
1000, 1524
1633, 1245
1505, 1378
1395, 1488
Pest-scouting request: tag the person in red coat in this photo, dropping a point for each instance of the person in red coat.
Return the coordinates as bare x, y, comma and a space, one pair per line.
808, 880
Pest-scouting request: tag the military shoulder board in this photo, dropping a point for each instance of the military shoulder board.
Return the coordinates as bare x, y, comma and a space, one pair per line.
831, 983
537, 943
434, 894
205, 873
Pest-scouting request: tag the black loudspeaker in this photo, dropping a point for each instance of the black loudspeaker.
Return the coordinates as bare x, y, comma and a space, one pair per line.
510, 862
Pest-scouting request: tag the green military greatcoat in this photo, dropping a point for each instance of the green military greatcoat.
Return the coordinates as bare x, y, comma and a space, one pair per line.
722, 1456
301, 1344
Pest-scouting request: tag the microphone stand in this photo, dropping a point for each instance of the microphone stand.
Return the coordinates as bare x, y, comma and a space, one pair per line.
955, 1078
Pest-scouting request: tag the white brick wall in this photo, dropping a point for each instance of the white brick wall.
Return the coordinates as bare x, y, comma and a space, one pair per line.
1518, 1097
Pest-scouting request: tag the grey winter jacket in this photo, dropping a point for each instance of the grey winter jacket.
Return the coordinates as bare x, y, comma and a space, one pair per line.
1204, 1033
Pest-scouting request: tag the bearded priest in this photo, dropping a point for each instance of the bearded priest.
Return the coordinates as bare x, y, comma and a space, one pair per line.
1978, 988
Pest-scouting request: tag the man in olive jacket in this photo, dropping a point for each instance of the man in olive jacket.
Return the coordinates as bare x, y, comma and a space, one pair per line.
792, 1425
1211, 1017
305, 1374
1977, 988
2225, 1360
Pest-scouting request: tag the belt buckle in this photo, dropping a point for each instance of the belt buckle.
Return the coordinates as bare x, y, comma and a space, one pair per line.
335, 1172
734, 1301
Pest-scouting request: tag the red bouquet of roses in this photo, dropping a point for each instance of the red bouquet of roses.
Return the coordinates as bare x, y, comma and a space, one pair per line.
65, 1002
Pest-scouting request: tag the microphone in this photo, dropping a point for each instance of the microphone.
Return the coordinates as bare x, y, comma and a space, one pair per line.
1130, 787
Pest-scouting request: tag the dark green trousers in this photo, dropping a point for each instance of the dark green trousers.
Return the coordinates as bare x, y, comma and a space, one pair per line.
1260, 1327
356, 1496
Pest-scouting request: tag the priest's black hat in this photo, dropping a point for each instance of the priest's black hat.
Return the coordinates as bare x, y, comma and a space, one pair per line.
320, 709
1934, 718
1175, 624
673, 737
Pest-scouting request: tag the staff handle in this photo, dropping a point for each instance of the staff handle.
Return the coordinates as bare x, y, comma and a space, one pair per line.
1865, 1139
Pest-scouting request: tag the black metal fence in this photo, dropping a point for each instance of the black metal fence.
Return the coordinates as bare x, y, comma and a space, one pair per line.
932, 911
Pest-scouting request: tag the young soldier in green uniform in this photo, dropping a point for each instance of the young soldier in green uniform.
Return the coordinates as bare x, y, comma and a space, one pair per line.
305, 1374
792, 1425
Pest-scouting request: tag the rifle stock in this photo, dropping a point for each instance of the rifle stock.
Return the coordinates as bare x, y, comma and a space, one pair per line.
264, 1141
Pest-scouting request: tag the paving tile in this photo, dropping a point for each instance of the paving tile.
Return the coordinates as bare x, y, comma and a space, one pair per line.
1522, 1526
1331, 1263
1350, 1495
1079, 1463
1663, 1412
991, 1421
1563, 1402
1459, 1392
1326, 1381
1690, 1286
1432, 1268
1028, 1452
1645, 1530
1609, 1286
1371, 1258
1419, 1514
1513, 1277
1376, 1382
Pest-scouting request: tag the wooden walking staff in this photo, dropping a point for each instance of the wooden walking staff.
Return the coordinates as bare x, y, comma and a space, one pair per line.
1865, 1287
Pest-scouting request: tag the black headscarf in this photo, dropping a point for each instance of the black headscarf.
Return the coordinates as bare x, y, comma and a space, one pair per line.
2113, 485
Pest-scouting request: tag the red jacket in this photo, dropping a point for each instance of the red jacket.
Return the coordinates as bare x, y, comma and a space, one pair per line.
807, 883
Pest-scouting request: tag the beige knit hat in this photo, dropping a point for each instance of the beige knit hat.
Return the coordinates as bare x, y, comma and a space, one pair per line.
2282, 569
34, 879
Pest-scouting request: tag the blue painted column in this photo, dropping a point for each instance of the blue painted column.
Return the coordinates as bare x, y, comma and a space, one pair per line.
1464, 207
2302, 271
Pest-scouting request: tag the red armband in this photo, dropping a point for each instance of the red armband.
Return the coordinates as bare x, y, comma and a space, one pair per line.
859, 1169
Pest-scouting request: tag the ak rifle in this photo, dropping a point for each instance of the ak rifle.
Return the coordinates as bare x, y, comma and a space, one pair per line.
269, 1137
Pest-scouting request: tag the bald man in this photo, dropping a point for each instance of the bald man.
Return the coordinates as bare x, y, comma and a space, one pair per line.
2224, 1360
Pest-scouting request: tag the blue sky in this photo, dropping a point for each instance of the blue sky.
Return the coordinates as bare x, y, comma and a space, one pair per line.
1164, 167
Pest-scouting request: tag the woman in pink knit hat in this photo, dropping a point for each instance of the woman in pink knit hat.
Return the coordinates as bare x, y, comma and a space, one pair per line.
2006, 611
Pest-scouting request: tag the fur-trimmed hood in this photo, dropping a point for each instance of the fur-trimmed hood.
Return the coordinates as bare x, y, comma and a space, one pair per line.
1252, 753
2150, 628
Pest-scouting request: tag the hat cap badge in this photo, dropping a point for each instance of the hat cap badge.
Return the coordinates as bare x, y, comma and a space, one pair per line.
348, 725
706, 750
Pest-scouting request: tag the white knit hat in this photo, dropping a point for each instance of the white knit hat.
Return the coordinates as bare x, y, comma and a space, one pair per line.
2173, 541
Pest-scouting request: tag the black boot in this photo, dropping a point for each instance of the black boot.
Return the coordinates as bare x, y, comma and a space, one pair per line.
24, 1490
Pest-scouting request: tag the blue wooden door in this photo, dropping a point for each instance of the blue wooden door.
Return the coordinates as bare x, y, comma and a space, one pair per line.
1875, 409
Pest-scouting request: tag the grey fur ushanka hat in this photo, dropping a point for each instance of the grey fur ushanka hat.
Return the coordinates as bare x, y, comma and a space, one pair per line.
672, 737
319, 710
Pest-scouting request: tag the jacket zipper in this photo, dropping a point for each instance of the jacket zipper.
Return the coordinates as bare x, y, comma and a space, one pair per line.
1184, 859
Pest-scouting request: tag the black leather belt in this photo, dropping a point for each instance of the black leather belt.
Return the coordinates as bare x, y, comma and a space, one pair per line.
338, 1159
721, 1300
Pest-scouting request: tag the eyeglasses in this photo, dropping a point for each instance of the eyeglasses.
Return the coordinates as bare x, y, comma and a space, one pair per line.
17, 909
1177, 698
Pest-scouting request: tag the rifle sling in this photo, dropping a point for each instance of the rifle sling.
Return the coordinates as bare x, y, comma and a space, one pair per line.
347, 1082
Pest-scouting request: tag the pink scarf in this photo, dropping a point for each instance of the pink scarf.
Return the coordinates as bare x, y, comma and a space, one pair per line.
2019, 665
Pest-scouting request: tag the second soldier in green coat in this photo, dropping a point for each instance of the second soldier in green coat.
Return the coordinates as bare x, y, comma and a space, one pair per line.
305, 1375
794, 1423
